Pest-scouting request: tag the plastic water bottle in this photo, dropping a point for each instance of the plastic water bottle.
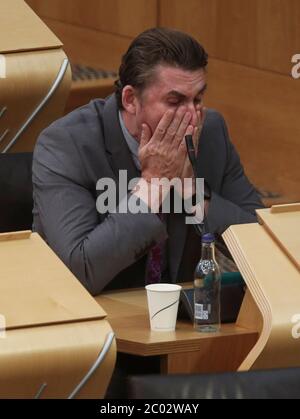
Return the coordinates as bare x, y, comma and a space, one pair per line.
207, 288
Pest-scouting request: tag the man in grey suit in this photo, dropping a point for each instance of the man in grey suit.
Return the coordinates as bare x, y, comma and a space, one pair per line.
140, 129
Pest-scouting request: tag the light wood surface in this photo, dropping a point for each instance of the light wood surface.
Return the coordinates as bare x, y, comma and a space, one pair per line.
59, 355
30, 76
224, 354
42, 289
52, 330
249, 315
277, 209
89, 46
128, 315
274, 283
16, 235
97, 32
259, 34
33, 58
262, 34
264, 128
23, 30
123, 17
282, 223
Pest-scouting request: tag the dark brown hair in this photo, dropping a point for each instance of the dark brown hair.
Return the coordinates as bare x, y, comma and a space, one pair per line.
153, 47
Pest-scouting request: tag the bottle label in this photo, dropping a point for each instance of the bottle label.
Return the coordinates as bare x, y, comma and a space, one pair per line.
201, 313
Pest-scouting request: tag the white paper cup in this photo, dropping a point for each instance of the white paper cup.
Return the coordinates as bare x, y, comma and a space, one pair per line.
163, 302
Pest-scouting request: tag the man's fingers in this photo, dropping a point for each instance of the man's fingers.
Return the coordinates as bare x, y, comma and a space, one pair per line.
163, 125
146, 135
196, 136
181, 132
174, 125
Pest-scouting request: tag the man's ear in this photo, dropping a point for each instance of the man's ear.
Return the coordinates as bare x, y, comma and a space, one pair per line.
129, 99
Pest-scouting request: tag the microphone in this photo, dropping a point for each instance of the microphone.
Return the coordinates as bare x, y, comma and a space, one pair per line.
192, 157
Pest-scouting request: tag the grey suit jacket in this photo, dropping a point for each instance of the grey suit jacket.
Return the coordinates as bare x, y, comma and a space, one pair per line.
108, 250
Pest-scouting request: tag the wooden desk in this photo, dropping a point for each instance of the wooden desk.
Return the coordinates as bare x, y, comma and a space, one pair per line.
182, 351
52, 329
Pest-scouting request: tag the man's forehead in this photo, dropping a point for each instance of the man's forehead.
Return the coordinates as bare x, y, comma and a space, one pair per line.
169, 77
169, 74
181, 95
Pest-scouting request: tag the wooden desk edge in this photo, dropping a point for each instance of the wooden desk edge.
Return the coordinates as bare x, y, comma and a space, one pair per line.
167, 348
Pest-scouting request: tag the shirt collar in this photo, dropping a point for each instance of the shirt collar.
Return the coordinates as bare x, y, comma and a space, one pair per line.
132, 143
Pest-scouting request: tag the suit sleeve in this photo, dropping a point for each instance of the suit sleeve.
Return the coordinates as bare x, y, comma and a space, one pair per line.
95, 251
238, 199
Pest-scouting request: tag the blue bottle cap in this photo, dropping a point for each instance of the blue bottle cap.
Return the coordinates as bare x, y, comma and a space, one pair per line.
208, 238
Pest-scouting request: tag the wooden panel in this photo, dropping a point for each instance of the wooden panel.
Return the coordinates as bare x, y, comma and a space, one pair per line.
59, 356
22, 30
260, 33
218, 355
90, 47
128, 315
249, 316
262, 112
30, 77
281, 225
36, 288
274, 283
123, 17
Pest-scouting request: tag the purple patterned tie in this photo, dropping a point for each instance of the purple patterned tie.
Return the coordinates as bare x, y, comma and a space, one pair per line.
155, 261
